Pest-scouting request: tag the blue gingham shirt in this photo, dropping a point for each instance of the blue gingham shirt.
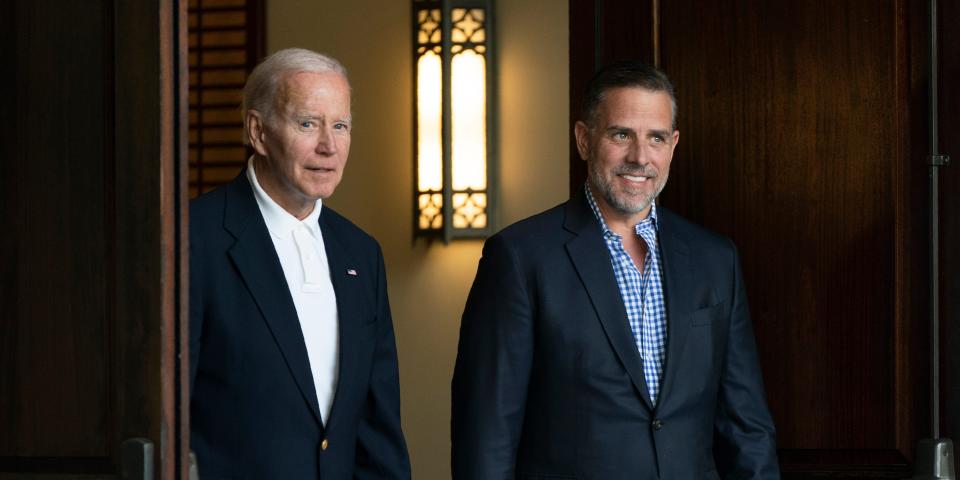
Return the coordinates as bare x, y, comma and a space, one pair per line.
642, 293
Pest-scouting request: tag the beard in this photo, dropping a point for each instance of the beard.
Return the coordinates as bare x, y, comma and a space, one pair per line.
627, 200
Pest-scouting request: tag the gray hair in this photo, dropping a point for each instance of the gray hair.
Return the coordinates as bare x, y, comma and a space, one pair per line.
626, 74
260, 91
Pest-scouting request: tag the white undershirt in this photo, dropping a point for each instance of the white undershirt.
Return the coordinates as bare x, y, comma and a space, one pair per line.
299, 244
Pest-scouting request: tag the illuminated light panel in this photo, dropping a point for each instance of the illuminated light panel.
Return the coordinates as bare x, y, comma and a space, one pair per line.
469, 121
429, 122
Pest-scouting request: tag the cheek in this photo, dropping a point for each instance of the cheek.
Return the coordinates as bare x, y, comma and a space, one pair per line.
609, 156
665, 161
300, 148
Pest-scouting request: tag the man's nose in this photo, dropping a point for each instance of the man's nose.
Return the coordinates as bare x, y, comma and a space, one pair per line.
637, 154
326, 142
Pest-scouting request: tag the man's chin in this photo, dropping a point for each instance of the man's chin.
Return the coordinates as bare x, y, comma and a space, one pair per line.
320, 192
632, 205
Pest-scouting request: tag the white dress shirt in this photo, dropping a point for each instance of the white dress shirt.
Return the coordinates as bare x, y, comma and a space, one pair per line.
299, 244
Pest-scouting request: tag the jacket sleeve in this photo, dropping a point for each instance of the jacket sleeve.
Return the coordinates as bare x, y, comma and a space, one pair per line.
493, 366
381, 449
744, 444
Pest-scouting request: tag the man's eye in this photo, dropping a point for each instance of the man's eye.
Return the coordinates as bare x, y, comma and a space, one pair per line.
656, 139
621, 136
307, 124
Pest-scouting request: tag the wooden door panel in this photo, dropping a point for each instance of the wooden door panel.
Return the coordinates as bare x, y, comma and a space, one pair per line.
92, 268
787, 116
949, 117
56, 403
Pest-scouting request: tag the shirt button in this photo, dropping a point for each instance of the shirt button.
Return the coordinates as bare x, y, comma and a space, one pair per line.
324, 444
657, 424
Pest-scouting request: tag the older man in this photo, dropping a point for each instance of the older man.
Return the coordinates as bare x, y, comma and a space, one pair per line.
292, 353
608, 338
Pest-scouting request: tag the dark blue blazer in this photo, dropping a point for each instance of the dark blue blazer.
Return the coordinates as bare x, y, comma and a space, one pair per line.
548, 382
254, 411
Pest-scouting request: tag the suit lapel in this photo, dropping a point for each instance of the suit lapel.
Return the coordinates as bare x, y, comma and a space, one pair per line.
677, 278
590, 257
256, 259
351, 307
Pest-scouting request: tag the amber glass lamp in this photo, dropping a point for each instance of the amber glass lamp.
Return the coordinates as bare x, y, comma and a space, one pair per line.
453, 118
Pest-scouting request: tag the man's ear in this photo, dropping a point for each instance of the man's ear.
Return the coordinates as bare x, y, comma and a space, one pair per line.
582, 133
256, 131
675, 141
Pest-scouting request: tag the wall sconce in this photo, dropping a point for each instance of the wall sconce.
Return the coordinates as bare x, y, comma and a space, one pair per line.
453, 118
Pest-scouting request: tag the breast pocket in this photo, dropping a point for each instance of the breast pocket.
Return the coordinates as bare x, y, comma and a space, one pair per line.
706, 316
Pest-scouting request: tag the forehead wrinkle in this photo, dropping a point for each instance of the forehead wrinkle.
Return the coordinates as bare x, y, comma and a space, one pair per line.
292, 100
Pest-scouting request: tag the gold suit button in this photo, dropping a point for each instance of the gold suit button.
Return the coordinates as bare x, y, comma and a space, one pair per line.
324, 444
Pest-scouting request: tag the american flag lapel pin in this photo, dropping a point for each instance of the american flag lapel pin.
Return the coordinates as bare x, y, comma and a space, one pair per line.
351, 272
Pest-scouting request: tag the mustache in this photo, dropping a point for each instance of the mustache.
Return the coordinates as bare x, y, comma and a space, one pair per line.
636, 170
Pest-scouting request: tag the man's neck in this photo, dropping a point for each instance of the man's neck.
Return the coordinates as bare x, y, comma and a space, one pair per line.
270, 183
621, 223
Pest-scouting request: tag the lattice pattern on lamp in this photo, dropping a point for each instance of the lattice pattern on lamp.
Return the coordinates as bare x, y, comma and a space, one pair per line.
469, 31
469, 210
430, 205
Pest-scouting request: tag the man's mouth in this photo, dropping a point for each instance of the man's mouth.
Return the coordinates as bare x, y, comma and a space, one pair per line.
635, 178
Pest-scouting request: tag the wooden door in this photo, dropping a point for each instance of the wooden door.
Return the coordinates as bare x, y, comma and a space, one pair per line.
92, 255
949, 118
803, 136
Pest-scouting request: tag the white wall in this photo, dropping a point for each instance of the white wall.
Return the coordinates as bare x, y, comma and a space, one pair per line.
428, 284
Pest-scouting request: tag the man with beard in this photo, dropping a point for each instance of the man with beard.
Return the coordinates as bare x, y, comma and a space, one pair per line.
608, 338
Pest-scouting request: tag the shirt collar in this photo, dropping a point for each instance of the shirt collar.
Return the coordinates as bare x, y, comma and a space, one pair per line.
651, 219
279, 221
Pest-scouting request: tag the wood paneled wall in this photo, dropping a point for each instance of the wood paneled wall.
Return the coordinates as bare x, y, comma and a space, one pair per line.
804, 138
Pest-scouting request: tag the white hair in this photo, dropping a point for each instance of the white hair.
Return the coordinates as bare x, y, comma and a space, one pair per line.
260, 91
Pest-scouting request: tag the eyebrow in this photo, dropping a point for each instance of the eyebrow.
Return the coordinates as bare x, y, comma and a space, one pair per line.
662, 133
617, 129
310, 116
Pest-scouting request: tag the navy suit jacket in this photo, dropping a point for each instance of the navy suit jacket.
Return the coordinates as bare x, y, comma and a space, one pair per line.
254, 411
548, 382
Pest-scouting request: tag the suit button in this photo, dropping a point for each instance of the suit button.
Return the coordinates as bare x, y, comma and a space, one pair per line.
657, 424
324, 444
